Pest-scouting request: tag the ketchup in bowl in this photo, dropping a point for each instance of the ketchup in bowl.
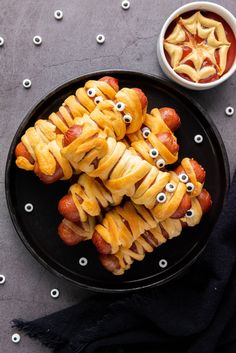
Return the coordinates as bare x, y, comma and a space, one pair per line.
200, 46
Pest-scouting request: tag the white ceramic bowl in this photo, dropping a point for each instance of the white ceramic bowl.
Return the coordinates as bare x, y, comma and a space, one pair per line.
167, 69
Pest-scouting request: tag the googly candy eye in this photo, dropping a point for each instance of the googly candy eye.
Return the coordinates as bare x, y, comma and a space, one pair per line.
183, 177
161, 197
163, 263
83, 261
189, 213
198, 138
15, 338
54, 293
146, 132
37, 40
229, 111
58, 14
91, 92
170, 187
2, 279
160, 163
1, 41
153, 153
120, 106
26, 83
127, 118
125, 5
190, 187
100, 38
98, 99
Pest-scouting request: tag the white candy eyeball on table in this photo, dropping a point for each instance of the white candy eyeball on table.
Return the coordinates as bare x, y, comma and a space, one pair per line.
125, 4
54, 293
2, 279
229, 111
26, 83
37, 40
100, 38
1, 41
58, 14
15, 338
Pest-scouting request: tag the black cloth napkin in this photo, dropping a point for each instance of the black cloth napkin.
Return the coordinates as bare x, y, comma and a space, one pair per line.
194, 314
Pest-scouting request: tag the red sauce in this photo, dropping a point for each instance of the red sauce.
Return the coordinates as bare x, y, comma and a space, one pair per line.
187, 50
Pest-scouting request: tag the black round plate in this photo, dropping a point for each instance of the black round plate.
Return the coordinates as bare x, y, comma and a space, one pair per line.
38, 230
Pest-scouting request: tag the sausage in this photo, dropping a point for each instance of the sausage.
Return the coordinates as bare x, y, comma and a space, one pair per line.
170, 117
67, 208
142, 97
71, 134
48, 179
68, 236
113, 82
198, 170
184, 206
21, 151
169, 141
205, 200
102, 246
109, 262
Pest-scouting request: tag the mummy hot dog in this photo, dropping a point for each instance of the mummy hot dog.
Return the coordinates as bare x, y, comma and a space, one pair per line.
44, 131
151, 238
44, 144
74, 208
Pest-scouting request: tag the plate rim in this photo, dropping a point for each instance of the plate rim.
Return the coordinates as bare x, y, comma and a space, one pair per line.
47, 96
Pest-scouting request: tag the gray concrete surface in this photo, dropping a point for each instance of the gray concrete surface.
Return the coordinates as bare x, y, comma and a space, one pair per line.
69, 49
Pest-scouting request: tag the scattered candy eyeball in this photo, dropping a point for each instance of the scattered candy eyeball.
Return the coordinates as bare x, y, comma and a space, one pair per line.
125, 5
98, 99
190, 187
153, 153
58, 14
163, 263
160, 163
27, 83
1, 41
15, 338
183, 177
198, 138
2, 279
170, 187
229, 111
54, 293
91, 92
83, 261
100, 38
37, 40
127, 118
146, 132
189, 213
161, 197
29, 207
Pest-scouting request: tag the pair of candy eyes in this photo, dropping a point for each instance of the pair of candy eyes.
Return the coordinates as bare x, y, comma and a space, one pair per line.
161, 198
